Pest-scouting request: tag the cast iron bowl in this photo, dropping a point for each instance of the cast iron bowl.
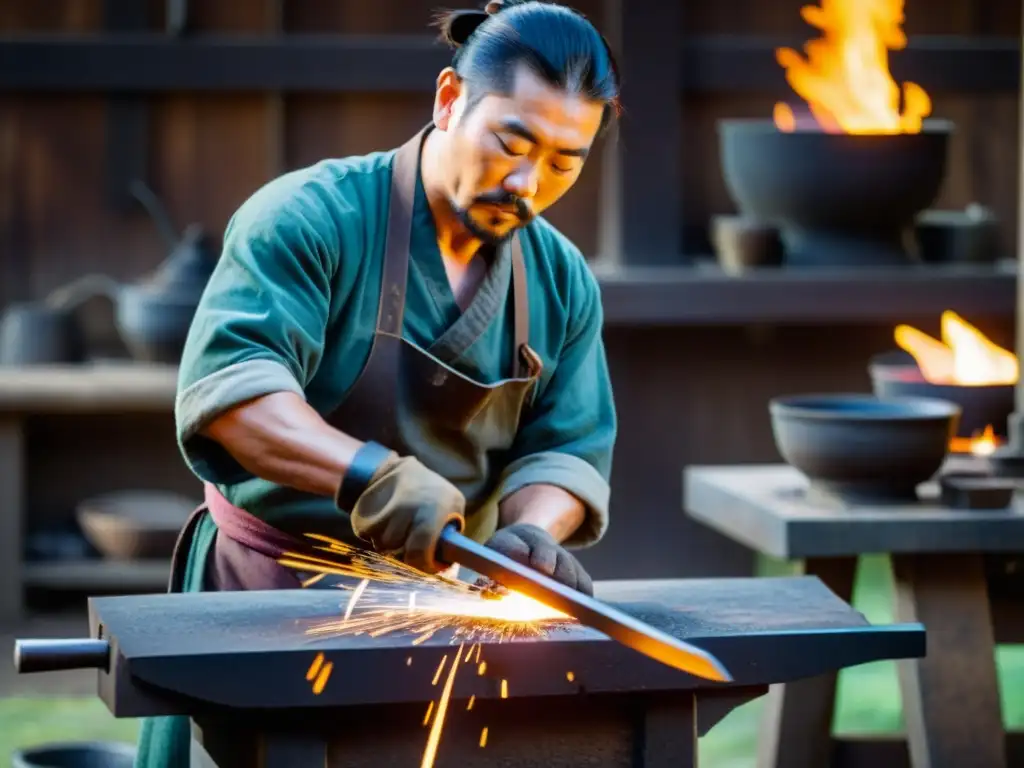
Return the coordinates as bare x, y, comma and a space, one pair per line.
863, 449
838, 199
896, 374
88, 754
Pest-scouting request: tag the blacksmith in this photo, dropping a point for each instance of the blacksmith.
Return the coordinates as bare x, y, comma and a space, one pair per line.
397, 341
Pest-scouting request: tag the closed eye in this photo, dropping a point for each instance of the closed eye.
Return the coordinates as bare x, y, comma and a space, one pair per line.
507, 150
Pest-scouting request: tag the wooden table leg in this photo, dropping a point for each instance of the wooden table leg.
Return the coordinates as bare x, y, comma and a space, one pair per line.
12, 505
669, 733
951, 697
796, 731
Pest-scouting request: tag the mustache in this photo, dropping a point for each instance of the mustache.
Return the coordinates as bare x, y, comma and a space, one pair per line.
507, 200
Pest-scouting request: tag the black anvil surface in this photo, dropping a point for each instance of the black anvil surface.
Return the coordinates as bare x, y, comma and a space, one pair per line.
236, 663
250, 649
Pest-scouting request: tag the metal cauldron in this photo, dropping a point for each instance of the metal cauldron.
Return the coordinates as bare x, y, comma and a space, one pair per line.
87, 754
153, 315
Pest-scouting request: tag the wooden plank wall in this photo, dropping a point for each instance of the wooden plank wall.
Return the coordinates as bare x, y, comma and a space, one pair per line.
686, 395
208, 152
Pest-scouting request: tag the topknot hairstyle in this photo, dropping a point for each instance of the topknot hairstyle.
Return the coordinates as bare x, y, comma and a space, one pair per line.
556, 42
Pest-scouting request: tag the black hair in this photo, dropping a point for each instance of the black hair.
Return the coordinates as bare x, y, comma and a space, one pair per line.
556, 42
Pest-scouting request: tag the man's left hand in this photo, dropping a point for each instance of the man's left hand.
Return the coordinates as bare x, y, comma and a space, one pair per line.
534, 547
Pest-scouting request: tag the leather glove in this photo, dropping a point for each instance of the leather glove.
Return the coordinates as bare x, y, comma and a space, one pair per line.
532, 546
405, 508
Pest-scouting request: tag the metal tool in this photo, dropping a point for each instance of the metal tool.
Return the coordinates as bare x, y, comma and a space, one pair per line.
454, 548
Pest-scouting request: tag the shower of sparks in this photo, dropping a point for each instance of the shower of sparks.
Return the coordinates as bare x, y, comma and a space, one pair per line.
442, 708
440, 669
389, 597
319, 673
356, 594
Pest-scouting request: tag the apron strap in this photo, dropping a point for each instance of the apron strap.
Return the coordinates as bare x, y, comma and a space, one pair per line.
520, 310
182, 550
390, 312
399, 234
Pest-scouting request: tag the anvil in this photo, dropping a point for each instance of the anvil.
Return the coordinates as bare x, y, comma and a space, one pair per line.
236, 664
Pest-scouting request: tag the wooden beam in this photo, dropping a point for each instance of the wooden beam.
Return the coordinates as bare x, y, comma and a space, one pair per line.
940, 63
145, 63
642, 200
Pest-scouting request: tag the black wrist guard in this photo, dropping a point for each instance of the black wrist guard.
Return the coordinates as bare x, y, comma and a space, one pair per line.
364, 466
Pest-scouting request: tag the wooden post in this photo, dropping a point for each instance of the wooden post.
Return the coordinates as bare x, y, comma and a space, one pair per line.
1015, 425
12, 511
1018, 435
642, 201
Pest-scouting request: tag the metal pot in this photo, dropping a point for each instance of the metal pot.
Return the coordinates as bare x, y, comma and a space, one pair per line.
152, 315
86, 754
48, 332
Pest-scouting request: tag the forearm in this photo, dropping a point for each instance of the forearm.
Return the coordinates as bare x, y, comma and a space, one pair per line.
547, 506
280, 438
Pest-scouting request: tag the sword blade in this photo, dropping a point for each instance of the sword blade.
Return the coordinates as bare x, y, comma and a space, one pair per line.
453, 548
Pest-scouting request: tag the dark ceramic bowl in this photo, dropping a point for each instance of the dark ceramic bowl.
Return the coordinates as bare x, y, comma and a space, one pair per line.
862, 449
88, 754
893, 375
838, 199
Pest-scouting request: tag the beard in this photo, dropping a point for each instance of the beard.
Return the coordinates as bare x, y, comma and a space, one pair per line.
481, 231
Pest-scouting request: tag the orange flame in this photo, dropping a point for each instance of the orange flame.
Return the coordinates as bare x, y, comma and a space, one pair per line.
965, 357
845, 77
982, 443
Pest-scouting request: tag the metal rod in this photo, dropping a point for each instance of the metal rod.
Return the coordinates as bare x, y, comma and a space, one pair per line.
60, 655
453, 547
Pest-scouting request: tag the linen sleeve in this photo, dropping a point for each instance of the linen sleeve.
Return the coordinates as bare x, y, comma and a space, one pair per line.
568, 435
260, 324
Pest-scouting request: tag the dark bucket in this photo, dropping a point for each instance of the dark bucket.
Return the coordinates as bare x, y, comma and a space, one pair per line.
86, 754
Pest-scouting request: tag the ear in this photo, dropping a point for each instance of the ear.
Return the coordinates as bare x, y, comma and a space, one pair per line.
449, 88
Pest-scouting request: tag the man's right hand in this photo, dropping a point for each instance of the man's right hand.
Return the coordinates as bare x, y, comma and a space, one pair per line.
404, 510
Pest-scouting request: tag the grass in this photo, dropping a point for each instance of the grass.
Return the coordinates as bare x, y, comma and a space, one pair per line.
868, 697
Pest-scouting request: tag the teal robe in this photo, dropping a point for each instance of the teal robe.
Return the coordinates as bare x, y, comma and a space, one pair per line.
292, 306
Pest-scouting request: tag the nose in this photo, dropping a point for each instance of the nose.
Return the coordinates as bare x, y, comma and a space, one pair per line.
522, 182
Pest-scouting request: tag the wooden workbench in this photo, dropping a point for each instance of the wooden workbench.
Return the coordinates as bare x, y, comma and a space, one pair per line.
951, 698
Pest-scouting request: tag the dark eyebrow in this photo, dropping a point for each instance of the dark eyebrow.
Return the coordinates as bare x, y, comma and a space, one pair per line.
515, 126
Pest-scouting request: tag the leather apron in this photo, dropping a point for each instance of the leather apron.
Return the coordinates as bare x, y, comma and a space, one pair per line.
409, 399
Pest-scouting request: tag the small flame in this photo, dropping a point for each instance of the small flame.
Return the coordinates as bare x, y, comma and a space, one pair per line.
982, 443
965, 357
845, 77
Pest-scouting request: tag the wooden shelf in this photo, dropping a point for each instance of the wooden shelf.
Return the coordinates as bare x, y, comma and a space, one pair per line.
705, 295
141, 575
88, 388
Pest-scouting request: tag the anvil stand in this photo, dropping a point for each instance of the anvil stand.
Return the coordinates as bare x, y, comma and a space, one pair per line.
645, 732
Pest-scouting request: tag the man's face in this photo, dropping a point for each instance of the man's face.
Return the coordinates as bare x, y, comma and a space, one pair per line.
511, 157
